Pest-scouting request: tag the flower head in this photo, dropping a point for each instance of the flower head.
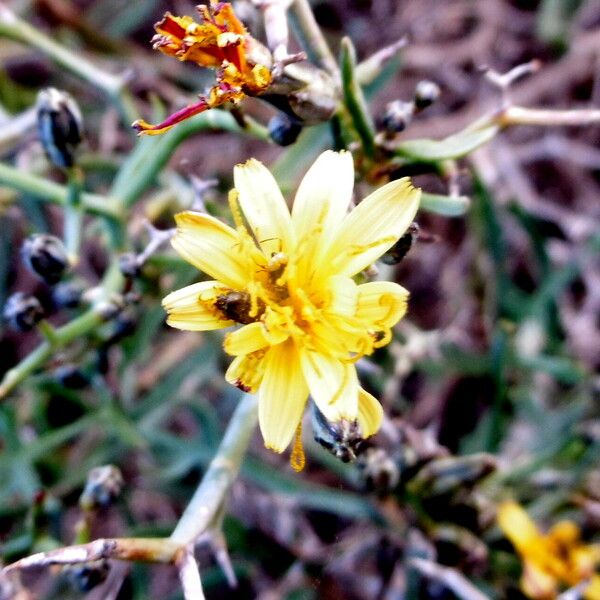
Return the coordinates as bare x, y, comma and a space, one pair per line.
288, 280
219, 41
550, 560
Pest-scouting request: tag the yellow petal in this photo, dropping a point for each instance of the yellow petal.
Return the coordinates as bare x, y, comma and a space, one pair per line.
344, 296
333, 385
519, 528
592, 591
192, 307
537, 583
381, 303
564, 532
370, 413
245, 340
373, 227
282, 396
212, 247
263, 206
250, 338
321, 203
246, 372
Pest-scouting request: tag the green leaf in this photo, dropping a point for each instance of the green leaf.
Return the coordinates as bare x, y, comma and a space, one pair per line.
354, 98
454, 146
447, 206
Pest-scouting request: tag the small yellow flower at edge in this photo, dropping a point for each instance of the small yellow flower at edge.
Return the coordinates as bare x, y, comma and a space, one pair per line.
558, 558
288, 280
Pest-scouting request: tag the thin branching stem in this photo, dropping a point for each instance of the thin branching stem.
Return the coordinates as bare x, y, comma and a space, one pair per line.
202, 515
49, 191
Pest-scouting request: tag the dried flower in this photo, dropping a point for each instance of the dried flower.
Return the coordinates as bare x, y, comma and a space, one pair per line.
288, 280
219, 41
558, 557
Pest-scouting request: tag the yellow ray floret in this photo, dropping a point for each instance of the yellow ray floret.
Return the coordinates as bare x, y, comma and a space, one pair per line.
287, 280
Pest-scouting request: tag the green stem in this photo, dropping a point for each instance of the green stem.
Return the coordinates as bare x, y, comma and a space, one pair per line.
73, 215
311, 37
48, 191
206, 504
47, 331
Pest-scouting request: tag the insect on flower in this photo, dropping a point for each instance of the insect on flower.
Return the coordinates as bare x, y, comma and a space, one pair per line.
219, 41
288, 280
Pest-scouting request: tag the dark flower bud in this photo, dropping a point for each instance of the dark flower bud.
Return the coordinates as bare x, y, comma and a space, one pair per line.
46, 257
71, 377
397, 116
68, 294
379, 471
87, 576
125, 325
342, 438
23, 312
129, 265
103, 486
60, 126
426, 93
284, 130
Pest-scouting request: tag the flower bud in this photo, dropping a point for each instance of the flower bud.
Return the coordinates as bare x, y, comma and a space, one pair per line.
87, 576
379, 471
71, 377
60, 126
309, 93
23, 312
445, 475
283, 129
46, 256
426, 93
103, 486
129, 265
126, 324
68, 294
342, 438
397, 116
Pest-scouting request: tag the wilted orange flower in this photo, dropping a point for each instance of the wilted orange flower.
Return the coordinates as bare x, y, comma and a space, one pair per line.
219, 41
550, 560
288, 280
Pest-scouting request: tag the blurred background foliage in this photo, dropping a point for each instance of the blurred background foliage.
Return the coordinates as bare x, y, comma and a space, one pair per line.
490, 384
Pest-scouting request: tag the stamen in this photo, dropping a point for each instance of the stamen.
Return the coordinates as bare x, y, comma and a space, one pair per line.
297, 457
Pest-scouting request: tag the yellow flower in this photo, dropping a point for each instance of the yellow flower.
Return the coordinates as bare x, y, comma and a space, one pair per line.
557, 558
287, 279
220, 41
